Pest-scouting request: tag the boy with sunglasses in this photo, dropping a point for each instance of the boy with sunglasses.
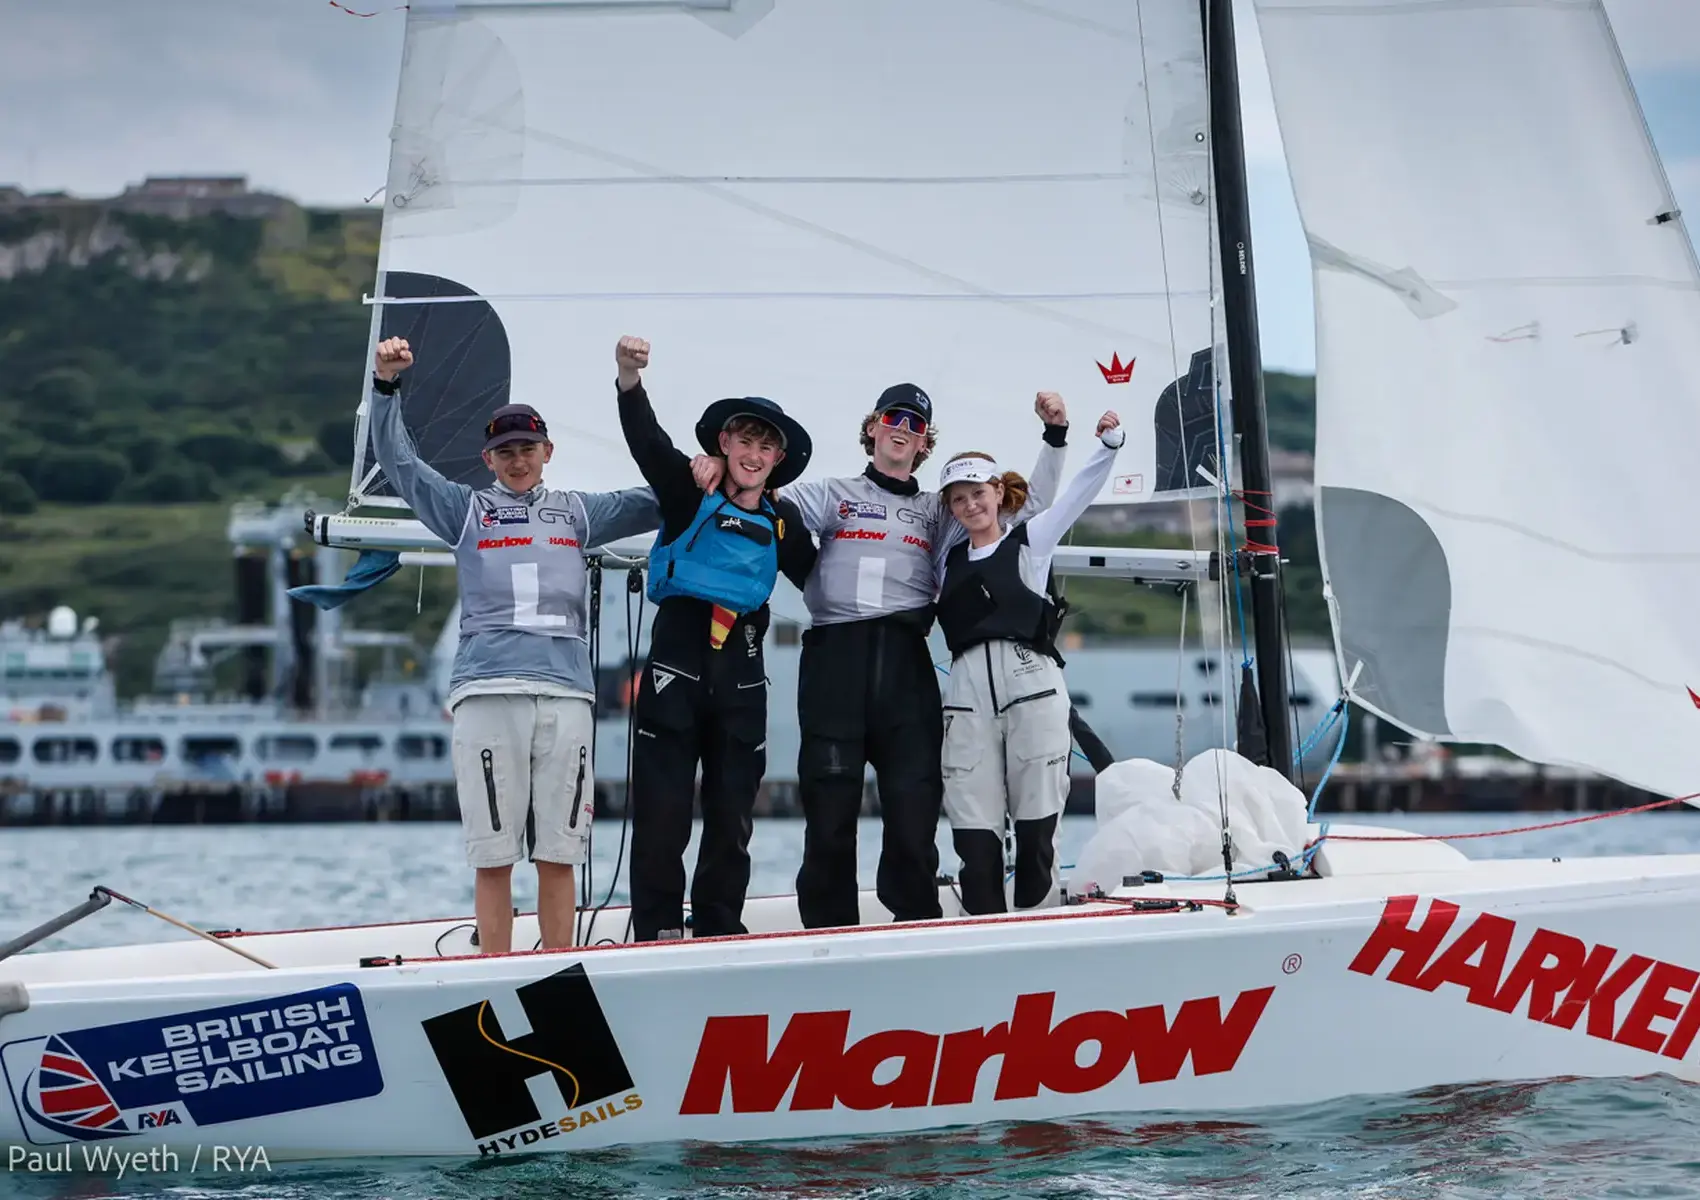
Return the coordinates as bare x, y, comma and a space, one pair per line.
867, 690
521, 692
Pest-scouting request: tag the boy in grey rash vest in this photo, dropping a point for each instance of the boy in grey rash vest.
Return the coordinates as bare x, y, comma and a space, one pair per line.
521, 691
868, 691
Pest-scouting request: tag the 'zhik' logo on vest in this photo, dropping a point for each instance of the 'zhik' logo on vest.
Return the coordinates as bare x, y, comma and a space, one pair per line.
570, 1042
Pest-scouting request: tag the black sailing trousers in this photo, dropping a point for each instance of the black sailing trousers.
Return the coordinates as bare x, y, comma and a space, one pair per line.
696, 705
868, 693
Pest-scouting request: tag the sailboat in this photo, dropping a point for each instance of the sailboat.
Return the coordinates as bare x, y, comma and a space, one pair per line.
814, 198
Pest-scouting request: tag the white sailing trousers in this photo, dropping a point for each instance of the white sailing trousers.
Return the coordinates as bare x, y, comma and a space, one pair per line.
1006, 748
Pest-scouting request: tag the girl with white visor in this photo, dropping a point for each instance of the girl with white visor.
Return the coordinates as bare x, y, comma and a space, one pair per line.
1006, 706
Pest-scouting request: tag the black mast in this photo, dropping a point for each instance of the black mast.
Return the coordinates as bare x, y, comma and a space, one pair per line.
1245, 372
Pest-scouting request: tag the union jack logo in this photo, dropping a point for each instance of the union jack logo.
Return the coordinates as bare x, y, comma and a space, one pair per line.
72, 1098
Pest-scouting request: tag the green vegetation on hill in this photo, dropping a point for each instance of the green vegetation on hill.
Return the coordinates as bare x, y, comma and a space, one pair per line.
153, 370
160, 361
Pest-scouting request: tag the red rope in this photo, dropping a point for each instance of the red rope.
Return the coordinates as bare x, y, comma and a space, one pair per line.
1264, 521
1453, 837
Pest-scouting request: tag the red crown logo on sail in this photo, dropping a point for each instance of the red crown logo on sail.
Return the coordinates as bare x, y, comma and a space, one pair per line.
1694, 696
1116, 372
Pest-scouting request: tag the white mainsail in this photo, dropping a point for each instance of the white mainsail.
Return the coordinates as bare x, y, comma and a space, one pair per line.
809, 200
1508, 377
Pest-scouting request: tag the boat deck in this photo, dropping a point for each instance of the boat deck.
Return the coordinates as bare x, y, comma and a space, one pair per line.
1352, 879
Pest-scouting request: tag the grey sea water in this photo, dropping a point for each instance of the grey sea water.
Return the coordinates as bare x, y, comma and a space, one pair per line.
1574, 1139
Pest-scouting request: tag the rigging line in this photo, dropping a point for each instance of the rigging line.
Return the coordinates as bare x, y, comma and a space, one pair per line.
832, 235
1163, 244
1180, 413
1487, 833
1222, 508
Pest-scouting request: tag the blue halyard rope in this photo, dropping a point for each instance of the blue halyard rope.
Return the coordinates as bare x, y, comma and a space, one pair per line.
1332, 763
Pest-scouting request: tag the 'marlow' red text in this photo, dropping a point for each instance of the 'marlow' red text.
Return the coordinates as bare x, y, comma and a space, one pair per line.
815, 1053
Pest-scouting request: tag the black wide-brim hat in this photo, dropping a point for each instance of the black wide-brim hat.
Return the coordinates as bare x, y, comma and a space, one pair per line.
798, 447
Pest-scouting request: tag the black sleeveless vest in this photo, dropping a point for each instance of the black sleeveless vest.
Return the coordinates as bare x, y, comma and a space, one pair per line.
986, 600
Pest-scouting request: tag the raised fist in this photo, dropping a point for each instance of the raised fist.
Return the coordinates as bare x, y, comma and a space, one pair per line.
631, 355
392, 359
708, 471
1051, 409
1108, 422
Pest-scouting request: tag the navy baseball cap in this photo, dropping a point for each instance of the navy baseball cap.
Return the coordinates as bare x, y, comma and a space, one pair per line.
514, 423
906, 396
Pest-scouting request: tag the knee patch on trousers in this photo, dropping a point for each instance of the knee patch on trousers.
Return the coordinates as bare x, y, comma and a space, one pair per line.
981, 852
1035, 860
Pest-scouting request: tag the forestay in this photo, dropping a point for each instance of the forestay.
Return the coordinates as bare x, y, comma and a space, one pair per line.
1508, 391
808, 200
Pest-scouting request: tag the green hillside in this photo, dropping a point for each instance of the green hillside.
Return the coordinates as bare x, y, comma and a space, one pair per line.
154, 370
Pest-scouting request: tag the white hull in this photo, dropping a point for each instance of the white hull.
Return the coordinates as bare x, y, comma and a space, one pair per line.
876, 1030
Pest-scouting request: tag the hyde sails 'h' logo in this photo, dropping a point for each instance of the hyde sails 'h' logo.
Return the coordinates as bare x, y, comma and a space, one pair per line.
488, 1070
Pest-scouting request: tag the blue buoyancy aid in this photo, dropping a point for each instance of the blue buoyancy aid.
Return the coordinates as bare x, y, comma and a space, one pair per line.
727, 556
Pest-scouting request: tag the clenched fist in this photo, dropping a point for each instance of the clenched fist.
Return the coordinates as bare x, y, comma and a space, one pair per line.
1051, 409
631, 355
1108, 422
392, 359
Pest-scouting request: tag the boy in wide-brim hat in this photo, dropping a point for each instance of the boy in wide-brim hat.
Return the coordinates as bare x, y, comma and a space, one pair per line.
703, 695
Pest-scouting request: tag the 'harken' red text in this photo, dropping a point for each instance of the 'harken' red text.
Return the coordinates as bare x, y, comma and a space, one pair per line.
1561, 977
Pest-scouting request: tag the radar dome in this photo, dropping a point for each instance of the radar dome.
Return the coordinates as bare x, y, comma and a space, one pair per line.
62, 622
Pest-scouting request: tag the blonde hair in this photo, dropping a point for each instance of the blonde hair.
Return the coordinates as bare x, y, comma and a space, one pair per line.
1014, 486
928, 443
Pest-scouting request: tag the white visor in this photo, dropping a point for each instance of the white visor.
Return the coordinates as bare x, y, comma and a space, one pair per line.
969, 470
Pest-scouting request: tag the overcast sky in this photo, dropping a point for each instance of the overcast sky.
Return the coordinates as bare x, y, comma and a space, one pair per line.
298, 96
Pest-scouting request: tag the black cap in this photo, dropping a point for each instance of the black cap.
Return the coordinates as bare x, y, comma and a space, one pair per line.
908, 396
514, 423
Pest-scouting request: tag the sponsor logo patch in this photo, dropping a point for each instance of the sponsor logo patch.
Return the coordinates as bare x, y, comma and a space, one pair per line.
503, 514
491, 1072
860, 535
205, 1067
860, 510
502, 543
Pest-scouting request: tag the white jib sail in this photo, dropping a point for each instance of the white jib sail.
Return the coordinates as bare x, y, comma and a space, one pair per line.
812, 200
1508, 377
